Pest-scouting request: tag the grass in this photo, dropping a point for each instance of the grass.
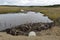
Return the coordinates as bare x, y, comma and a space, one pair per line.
8, 9
50, 34
54, 31
52, 12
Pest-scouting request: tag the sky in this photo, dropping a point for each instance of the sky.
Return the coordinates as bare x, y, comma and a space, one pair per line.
29, 2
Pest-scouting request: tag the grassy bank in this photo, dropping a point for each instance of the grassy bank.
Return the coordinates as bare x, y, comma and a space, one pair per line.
50, 34
51, 12
6, 9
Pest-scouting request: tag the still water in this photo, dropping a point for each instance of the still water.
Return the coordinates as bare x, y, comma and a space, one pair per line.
13, 19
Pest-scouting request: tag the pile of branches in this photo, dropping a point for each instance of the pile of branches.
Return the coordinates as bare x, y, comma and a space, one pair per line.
24, 29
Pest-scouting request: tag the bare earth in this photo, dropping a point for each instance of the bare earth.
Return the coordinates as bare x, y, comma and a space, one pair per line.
51, 34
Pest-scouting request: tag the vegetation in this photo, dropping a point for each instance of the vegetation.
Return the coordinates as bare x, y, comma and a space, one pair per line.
51, 34
53, 12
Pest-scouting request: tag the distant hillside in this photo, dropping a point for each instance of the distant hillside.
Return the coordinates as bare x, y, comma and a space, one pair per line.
53, 6
56, 5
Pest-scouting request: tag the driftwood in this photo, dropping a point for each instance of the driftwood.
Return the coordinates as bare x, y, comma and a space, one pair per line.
24, 29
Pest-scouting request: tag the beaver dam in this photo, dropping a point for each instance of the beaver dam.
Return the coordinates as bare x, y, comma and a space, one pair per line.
23, 23
24, 29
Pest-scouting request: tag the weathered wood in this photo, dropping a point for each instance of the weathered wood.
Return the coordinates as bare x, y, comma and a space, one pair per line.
24, 29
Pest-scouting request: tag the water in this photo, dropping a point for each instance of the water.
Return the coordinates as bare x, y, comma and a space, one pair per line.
9, 20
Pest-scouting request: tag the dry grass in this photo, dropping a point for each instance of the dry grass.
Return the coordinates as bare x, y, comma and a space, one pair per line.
55, 31
8, 9
50, 34
9, 37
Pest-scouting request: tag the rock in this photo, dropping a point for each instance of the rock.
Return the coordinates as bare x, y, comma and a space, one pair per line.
22, 10
32, 33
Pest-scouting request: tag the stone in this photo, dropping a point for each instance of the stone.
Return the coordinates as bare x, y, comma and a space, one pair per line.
32, 34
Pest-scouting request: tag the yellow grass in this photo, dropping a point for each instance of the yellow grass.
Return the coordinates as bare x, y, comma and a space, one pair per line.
8, 9
50, 34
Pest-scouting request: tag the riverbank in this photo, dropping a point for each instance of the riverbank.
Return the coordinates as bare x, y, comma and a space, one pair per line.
50, 34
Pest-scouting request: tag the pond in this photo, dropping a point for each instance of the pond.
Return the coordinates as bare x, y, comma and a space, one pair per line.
13, 19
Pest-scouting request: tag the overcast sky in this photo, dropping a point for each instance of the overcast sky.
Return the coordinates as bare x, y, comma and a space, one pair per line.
29, 2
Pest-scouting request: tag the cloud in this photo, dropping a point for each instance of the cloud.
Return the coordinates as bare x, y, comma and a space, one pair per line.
29, 2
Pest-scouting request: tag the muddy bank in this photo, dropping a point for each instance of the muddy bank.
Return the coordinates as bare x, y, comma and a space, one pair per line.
24, 29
